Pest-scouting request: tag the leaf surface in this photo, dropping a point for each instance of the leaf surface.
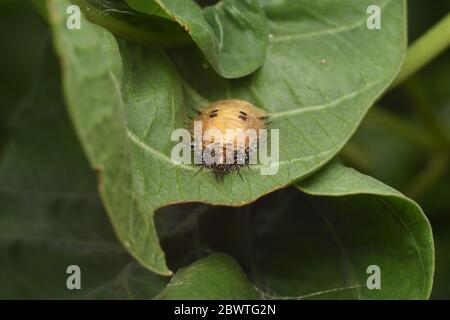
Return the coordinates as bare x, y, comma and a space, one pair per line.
323, 70
316, 244
51, 215
232, 35
217, 277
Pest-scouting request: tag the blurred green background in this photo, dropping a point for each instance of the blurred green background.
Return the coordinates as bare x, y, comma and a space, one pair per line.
398, 142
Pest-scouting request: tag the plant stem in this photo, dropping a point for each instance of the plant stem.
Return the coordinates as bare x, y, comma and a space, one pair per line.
425, 49
435, 169
356, 157
396, 124
425, 111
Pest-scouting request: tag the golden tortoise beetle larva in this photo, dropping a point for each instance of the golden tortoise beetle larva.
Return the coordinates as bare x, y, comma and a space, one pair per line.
230, 114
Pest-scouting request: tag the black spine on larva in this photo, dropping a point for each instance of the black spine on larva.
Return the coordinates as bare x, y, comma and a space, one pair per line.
221, 170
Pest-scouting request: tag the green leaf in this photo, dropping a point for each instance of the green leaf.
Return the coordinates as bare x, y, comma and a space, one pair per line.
51, 216
215, 277
149, 7
92, 73
318, 82
317, 106
233, 34
40, 8
370, 224
319, 245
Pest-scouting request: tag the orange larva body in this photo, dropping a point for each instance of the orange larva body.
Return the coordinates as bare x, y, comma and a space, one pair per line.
230, 114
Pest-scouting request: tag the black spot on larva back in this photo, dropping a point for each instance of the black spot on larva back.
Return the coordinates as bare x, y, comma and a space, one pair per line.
243, 113
243, 117
212, 115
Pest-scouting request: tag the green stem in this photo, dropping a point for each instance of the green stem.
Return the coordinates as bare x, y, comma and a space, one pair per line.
425, 49
425, 111
435, 169
356, 157
396, 124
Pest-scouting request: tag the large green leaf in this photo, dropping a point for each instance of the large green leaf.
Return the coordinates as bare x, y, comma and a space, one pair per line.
51, 216
323, 71
92, 73
233, 35
215, 277
388, 230
317, 246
